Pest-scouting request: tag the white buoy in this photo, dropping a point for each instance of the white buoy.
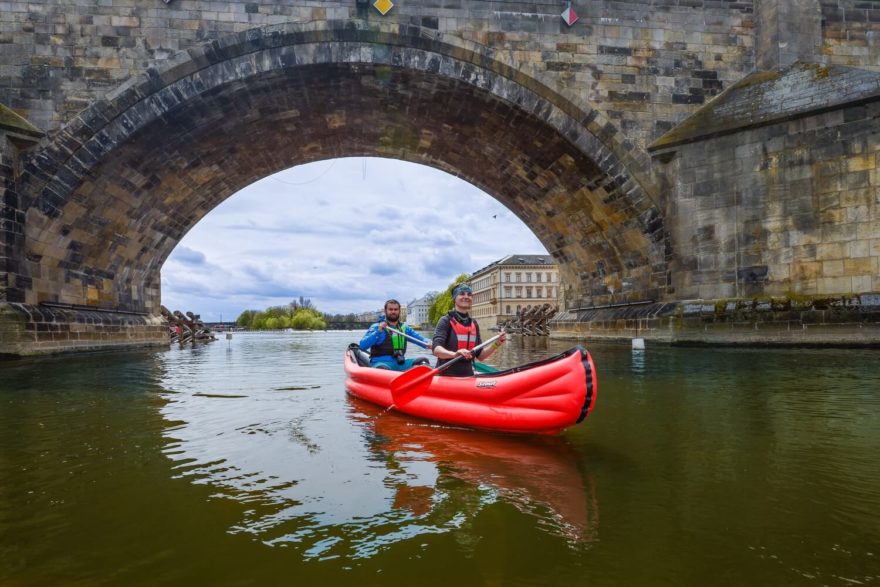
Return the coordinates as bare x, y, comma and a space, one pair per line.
638, 344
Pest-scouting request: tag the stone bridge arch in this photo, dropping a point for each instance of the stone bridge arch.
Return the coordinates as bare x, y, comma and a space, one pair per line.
112, 193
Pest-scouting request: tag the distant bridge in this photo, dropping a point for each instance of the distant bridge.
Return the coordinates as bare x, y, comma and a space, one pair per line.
335, 325
348, 325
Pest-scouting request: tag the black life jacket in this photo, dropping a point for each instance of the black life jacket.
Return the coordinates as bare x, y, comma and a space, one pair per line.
393, 342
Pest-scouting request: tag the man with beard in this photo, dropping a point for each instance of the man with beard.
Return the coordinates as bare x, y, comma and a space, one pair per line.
387, 348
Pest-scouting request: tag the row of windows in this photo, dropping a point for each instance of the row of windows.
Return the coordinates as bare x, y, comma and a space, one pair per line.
515, 277
484, 297
490, 311
481, 283
517, 292
518, 277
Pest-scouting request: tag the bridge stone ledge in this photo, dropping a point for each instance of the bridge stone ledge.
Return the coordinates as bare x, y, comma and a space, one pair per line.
846, 321
27, 330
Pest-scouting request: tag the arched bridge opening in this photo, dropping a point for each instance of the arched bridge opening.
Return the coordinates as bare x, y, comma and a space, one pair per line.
113, 193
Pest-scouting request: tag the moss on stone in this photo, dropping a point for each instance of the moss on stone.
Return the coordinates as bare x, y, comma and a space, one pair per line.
767, 97
822, 72
11, 121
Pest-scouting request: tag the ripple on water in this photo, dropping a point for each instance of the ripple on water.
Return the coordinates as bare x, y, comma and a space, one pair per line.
698, 460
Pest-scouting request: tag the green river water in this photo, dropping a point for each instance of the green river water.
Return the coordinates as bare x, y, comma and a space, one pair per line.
244, 462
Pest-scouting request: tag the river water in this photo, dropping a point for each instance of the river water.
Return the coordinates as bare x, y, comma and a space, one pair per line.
244, 462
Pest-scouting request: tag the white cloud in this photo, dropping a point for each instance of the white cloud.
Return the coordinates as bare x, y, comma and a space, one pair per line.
345, 239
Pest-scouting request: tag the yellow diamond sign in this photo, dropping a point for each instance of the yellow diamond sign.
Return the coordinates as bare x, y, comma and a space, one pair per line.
383, 6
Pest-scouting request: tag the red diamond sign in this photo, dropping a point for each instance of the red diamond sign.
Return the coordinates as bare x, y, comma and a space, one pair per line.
569, 15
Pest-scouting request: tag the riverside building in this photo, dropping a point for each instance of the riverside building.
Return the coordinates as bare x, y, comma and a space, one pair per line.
512, 283
417, 311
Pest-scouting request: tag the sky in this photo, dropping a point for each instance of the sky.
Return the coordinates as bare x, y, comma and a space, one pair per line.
345, 233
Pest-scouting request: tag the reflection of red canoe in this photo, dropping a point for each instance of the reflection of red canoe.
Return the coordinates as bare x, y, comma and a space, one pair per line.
538, 476
544, 397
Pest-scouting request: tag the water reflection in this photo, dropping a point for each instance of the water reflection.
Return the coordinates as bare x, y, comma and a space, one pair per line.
331, 478
539, 476
715, 466
638, 362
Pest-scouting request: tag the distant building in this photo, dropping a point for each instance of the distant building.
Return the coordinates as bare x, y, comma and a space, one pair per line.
417, 311
370, 316
508, 285
373, 316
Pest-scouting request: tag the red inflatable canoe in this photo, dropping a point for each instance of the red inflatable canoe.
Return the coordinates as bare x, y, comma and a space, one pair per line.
543, 397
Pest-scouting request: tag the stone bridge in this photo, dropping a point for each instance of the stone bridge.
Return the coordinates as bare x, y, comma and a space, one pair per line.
687, 162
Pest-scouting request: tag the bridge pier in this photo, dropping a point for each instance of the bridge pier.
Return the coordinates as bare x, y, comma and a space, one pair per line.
35, 329
17, 135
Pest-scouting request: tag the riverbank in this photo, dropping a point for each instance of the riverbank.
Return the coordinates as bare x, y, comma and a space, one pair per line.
843, 321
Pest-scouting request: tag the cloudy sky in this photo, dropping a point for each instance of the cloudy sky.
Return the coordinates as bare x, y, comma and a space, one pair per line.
346, 233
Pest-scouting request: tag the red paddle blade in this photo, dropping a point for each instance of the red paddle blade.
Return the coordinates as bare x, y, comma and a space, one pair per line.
411, 384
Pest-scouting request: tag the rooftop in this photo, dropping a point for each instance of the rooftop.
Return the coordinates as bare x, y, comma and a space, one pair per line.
516, 260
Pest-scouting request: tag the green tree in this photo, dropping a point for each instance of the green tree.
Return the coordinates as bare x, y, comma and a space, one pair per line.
308, 319
443, 301
279, 312
246, 318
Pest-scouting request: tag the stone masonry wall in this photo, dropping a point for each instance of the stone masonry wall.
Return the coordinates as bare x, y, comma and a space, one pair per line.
11, 222
784, 211
790, 209
645, 63
850, 33
115, 190
788, 31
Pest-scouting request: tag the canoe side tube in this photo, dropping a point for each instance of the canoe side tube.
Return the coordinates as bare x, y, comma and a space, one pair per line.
363, 359
360, 357
588, 372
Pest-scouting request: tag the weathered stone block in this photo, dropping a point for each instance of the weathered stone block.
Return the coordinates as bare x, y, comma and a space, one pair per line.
833, 285
860, 266
832, 268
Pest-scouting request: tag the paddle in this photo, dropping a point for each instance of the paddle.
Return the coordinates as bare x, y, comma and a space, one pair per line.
410, 384
405, 335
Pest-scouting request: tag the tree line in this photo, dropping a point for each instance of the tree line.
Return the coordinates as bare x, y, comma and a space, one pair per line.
301, 314
298, 315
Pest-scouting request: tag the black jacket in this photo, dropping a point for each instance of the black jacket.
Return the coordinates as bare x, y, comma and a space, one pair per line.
445, 336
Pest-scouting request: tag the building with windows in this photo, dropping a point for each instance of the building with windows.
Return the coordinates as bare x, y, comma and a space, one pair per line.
508, 285
417, 311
